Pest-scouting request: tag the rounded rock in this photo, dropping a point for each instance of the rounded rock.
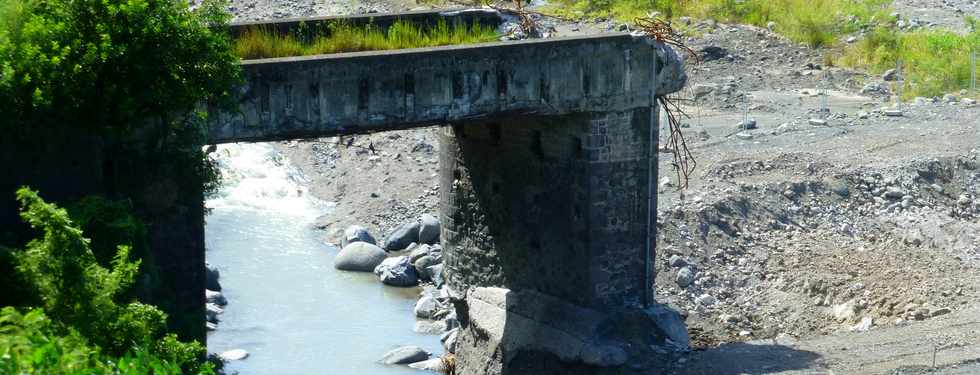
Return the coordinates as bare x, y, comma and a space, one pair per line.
397, 271
356, 233
405, 355
402, 236
684, 277
359, 256
233, 355
429, 230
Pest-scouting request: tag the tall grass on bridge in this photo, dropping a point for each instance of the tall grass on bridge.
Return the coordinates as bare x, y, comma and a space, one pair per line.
257, 42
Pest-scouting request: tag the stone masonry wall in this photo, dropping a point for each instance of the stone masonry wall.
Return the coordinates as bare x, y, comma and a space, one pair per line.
554, 204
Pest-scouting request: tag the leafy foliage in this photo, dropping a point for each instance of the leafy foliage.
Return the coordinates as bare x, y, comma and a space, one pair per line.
934, 62
82, 300
109, 64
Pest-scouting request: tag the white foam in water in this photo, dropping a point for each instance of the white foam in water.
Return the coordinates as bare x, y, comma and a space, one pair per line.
254, 175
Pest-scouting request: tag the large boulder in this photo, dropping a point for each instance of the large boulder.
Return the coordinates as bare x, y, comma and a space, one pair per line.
211, 277
429, 230
422, 265
397, 271
356, 233
402, 236
359, 256
427, 307
215, 297
405, 355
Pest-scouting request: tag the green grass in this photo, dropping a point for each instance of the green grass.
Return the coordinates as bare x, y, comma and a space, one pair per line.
935, 62
812, 22
259, 43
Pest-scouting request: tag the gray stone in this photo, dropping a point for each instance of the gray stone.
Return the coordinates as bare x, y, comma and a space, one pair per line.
745, 136
864, 325
890, 75
949, 98
215, 297
677, 261
435, 274
429, 327
705, 300
968, 101
894, 193
233, 355
748, 124
359, 256
397, 271
684, 277
401, 237
422, 265
429, 230
893, 113
418, 252
964, 200
212, 276
211, 312
701, 90
940, 311
818, 122
433, 365
210, 326
450, 339
514, 321
405, 355
426, 307
356, 233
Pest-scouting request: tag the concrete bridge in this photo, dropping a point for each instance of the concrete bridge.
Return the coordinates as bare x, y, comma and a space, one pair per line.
547, 175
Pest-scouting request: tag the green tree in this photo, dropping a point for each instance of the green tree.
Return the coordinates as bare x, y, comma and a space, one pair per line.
110, 65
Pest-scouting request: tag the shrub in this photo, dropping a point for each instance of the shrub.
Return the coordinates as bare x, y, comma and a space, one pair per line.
80, 298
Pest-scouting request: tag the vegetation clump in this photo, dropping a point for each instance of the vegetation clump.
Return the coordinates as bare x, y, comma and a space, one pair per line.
812, 22
84, 323
934, 62
258, 43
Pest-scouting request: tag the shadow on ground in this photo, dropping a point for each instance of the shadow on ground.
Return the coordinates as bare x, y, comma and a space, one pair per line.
748, 358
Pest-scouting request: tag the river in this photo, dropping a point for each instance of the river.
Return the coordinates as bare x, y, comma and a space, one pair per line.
287, 305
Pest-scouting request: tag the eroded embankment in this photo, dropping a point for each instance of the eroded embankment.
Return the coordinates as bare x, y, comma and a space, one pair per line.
830, 250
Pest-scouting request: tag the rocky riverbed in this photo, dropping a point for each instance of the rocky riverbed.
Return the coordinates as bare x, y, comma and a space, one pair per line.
832, 220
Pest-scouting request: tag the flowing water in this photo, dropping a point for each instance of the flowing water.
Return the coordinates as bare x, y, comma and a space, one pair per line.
287, 305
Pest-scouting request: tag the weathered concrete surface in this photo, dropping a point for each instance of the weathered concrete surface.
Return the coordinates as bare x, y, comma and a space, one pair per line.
327, 95
524, 332
554, 204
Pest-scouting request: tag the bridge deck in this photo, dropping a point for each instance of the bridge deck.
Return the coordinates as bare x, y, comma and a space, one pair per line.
326, 95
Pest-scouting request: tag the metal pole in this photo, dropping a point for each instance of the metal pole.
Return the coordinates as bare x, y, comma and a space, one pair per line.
973, 71
900, 78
